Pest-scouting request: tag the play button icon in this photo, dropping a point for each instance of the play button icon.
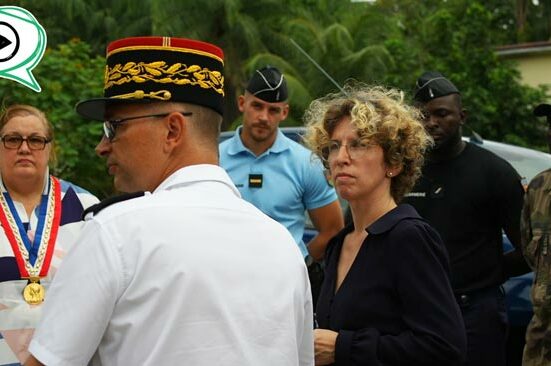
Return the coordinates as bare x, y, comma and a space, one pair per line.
22, 45
4, 42
9, 41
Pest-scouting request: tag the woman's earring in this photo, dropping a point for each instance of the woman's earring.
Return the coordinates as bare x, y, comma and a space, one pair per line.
389, 174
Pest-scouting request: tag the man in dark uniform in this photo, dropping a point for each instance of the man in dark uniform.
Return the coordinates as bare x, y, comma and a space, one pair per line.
469, 195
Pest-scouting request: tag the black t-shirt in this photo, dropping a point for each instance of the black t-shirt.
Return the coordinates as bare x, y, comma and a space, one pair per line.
468, 200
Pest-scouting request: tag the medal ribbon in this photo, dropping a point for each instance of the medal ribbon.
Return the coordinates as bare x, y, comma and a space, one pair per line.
33, 262
32, 248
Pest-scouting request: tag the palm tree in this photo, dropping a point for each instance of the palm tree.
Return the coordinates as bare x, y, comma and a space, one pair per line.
97, 22
521, 12
338, 38
243, 29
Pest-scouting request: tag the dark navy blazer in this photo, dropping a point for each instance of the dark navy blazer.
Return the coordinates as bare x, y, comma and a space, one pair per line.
395, 305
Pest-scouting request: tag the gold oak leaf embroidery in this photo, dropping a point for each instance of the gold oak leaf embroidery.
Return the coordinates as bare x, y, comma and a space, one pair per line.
160, 72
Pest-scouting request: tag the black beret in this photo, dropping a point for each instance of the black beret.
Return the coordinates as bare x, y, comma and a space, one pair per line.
268, 84
431, 85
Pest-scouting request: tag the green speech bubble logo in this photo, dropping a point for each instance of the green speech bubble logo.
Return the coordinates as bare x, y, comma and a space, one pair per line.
22, 45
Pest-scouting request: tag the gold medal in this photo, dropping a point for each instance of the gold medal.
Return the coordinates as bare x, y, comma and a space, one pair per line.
34, 292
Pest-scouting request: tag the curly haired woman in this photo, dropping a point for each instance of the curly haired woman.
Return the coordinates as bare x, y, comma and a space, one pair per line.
386, 298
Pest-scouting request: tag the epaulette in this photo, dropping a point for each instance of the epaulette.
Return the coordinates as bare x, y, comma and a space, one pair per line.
95, 209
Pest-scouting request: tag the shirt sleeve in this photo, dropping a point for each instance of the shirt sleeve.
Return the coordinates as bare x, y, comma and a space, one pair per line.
528, 249
509, 197
434, 332
306, 336
535, 223
317, 190
80, 301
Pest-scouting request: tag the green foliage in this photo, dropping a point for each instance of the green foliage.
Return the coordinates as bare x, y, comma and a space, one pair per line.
533, 23
387, 42
68, 74
97, 22
456, 41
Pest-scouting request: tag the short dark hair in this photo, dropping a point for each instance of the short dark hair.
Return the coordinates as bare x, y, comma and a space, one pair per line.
206, 121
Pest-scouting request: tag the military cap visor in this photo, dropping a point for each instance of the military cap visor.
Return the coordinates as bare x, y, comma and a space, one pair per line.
95, 109
433, 85
153, 69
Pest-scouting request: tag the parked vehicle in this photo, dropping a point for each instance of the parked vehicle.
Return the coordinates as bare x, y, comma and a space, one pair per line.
528, 163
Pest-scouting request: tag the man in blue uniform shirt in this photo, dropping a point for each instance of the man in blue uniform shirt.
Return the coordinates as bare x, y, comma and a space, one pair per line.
276, 174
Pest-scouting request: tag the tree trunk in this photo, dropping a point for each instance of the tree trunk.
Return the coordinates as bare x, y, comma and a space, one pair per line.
521, 14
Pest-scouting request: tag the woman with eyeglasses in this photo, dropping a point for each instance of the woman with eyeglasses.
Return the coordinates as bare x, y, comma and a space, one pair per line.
386, 298
40, 217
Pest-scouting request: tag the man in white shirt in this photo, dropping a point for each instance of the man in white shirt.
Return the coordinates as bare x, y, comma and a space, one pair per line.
180, 274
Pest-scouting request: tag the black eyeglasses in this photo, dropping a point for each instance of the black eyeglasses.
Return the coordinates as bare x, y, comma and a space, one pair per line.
13, 142
110, 126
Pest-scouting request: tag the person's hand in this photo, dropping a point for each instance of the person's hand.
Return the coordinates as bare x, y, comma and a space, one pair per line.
324, 346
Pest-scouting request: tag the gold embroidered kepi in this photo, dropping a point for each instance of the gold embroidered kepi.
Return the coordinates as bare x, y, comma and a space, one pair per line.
152, 69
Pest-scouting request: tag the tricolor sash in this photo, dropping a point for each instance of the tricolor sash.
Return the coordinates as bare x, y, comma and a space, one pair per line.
33, 259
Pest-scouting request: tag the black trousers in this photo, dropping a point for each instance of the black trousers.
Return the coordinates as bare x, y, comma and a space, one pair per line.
485, 316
